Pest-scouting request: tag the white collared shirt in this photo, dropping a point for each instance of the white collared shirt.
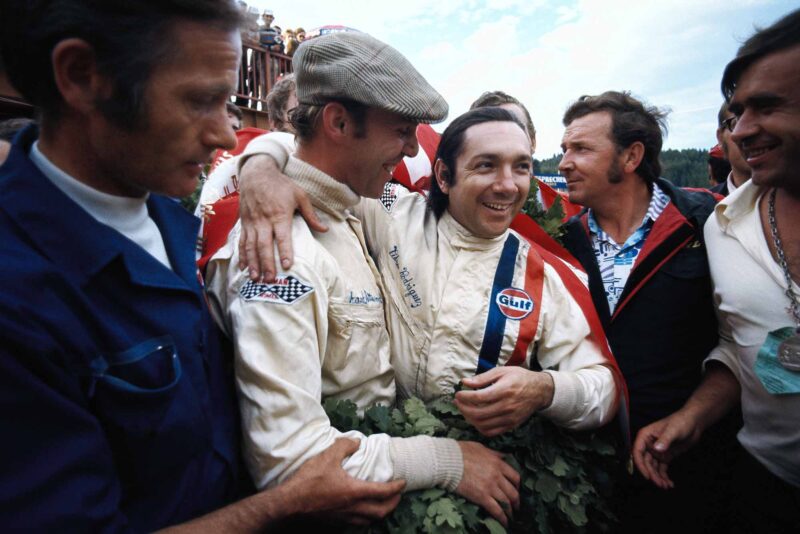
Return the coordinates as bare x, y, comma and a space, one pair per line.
749, 288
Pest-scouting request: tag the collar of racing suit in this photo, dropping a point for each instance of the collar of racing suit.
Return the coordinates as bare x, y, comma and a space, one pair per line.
460, 237
327, 194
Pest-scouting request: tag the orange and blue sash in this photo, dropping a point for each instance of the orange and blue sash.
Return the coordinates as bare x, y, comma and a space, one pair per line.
512, 303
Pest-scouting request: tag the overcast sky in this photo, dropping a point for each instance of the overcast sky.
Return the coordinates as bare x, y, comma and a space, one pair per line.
547, 53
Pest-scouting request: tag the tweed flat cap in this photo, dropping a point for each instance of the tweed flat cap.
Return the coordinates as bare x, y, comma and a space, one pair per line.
358, 67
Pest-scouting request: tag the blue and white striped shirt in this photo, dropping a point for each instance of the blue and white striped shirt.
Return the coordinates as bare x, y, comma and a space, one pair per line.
616, 261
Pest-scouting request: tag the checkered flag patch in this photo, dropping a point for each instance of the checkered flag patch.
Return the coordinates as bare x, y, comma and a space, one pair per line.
389, 196
285, 290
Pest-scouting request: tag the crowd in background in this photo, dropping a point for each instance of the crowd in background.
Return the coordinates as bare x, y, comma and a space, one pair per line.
262, 30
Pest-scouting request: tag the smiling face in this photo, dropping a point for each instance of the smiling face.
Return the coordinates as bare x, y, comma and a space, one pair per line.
732, 153
185, 118
386, 140
767, 104
591, 163
492, 178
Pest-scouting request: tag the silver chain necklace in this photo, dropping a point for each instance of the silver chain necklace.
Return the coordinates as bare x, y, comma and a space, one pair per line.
788, 350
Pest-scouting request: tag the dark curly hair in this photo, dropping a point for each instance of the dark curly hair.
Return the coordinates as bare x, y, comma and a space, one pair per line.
631, 121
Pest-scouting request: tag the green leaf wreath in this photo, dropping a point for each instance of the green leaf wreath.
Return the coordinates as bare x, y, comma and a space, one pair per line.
565, 483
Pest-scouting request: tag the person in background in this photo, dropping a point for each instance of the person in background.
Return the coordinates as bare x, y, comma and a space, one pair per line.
290, 43
753, 240
282, 99
718, 168
267, 18
508, 102
739, 170
280, 39
251, 26
268, 36
235, 116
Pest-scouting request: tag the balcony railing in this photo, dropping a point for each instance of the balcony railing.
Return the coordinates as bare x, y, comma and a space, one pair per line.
259, 71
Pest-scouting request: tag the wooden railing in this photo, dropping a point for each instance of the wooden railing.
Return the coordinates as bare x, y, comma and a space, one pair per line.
259, 71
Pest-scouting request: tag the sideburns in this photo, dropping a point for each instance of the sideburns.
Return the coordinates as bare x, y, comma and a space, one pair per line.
614, 173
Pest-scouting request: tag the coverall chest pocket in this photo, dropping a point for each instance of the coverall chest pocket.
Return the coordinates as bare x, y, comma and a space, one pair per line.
150, 412
134, 391
356, 332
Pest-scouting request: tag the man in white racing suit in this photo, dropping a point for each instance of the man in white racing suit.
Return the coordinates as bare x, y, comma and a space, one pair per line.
464, 304
319, 330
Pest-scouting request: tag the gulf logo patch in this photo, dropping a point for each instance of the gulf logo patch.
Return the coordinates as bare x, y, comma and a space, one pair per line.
514, 303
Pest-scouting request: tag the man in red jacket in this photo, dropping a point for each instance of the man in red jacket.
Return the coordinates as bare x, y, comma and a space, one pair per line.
640, 240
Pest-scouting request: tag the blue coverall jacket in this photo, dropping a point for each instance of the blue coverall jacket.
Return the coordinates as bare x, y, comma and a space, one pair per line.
118, 407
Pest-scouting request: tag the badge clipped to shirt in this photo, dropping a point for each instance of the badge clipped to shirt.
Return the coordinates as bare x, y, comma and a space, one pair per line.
778, 362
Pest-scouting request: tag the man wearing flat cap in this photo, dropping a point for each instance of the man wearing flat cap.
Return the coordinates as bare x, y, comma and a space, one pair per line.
319, 331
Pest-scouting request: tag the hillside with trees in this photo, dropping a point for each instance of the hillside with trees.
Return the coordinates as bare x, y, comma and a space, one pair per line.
686, 167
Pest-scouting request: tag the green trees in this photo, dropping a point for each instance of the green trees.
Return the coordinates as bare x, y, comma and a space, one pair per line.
686, 167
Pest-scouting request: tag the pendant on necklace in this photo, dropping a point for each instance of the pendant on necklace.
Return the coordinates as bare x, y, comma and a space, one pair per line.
789, 352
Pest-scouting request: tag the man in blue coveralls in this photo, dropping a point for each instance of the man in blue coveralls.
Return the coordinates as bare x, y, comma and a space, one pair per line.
117, 393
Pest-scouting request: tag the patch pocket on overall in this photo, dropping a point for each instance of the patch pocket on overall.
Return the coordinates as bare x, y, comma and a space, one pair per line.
354, 331
134, 388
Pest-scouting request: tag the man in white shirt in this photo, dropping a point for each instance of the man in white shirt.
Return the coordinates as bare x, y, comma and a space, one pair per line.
753, 240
